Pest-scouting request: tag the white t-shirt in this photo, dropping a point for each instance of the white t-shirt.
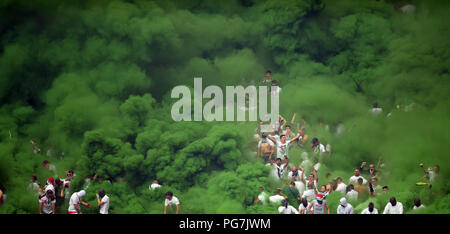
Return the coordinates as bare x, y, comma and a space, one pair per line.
296, 177
310, 193
105, 207
341, 188
276, 137
376, 111
154, 186
262, 197
33, 186
47, 204
348, 209
421, 206
352, 195
303, 209
366, 211
74, 200
318, 208
276, 198
354, 179
320, 148
300, 186
397, 209
282, 149
280, 168
431, 175
289, 210
174, 201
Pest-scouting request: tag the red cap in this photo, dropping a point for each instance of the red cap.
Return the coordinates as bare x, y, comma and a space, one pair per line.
50, 179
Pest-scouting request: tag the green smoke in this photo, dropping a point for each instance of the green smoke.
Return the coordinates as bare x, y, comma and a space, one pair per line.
91, 80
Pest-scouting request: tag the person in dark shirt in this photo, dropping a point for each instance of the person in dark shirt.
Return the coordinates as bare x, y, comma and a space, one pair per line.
370, 171
292, 194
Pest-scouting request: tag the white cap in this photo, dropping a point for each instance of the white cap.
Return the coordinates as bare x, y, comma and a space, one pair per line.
82, 193
343, 201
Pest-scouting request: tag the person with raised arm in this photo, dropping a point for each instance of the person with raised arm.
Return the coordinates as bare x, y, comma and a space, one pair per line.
282, 145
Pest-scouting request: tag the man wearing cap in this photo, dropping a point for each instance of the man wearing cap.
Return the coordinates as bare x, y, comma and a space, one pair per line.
318, 205
75, 202
50, 184
344, 207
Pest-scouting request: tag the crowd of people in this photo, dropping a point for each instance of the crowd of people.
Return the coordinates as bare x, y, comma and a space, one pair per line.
302, 190
57, 191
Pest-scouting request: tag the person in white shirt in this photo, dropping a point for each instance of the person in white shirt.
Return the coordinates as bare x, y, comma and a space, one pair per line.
274, 135
47, 202
393, 207
34, 186
277, 198
282, 145
50, 184
370, 210
341, 187
104, 202
285, 208
262, 197
155, 184
374, 187
352, 194
267, 78
288, 133
354, 178
294, 174
76, 202
311, 184
300, 186
318, 205
344, 207
324, 191
418, 204
375, 109
317, 147
430, 173
303, 208
278, 168
170, 201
